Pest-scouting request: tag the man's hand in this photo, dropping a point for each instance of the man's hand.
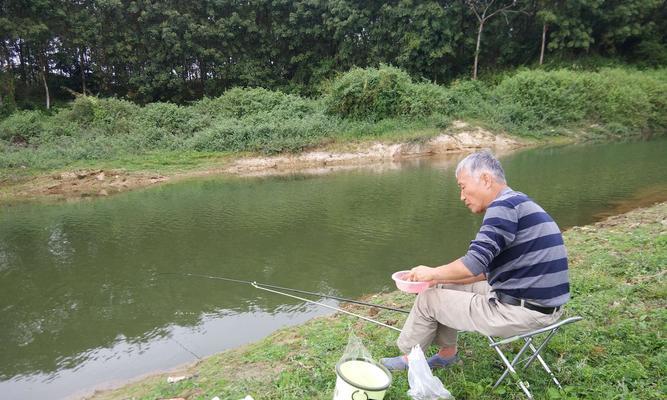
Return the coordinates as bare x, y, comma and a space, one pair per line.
421, 273
454, 272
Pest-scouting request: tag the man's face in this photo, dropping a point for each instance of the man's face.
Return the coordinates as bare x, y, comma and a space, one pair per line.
474, 192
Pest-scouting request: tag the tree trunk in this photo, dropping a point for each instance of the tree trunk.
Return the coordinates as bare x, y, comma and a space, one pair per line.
83, 72
9, 88
479, 39
544, 41
202, 77
46, 85
24, 75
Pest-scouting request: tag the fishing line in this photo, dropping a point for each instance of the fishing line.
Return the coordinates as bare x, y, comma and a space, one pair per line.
185, 348
257, 286
266, 285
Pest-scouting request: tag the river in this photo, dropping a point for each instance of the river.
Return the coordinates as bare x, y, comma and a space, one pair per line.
84, 303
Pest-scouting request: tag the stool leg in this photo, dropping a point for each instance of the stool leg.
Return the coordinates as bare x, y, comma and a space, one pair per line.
545, 366
511, 369
523, 349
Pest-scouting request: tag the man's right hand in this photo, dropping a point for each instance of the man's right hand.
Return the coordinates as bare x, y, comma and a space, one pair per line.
421, 273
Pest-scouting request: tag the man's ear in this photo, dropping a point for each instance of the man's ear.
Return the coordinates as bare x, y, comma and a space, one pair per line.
486, 179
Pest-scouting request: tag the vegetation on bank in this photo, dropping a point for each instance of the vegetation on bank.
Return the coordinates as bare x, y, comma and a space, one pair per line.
617, 351
362, 103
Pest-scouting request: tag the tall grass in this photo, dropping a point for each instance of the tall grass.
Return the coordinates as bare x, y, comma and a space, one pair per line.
371, 102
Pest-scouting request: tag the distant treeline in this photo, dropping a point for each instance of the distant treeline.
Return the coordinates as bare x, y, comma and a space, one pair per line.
179, 51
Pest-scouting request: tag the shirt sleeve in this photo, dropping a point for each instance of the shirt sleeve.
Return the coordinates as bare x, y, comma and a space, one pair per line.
497, 232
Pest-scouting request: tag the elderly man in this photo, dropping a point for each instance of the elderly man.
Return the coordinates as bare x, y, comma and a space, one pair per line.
513, 279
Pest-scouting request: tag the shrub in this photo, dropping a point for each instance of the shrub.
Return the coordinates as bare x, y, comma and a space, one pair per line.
538, 98
651, 53
22, 126
616, 96
371, 93
161, 122
467, 98
425, 99
262, 133
240, 102
626, 101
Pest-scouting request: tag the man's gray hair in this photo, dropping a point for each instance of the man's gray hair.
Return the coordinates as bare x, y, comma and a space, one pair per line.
482, 161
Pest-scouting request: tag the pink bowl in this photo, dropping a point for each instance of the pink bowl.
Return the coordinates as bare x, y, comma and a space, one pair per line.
407, 286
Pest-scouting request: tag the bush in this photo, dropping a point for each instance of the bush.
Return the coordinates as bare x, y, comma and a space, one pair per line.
240, 102
165, 122
22, 126
425, 99
467, 98
262, 133
616, 96
110, 116
537, 100
651, 53
371, 93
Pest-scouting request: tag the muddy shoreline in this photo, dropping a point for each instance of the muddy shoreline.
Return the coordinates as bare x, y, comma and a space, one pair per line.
86, 183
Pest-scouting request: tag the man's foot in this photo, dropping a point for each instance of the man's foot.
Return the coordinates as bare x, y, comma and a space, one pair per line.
399, 363
437, 361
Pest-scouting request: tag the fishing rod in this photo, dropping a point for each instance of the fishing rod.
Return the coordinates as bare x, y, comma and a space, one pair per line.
263, 286
256, 285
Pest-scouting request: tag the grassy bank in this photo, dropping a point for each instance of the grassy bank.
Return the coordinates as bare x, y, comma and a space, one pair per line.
618, 285
364, 104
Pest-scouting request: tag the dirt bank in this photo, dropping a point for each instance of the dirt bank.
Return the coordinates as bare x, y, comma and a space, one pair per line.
76, 184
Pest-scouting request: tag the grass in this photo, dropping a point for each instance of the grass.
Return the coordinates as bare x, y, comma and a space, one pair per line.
617, 352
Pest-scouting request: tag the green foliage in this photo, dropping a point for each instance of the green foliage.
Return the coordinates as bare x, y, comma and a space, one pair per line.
263, 132
241, 102
151, 51
651, 53
536, 99
365, 103
425, 99
619, 98
371, 93
22, 126
385, 92
468, 98
7, 101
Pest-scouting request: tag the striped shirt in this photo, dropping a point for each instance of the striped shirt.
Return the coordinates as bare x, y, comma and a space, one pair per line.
520, 249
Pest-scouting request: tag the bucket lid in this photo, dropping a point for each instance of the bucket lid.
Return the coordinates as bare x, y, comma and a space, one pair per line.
359, 385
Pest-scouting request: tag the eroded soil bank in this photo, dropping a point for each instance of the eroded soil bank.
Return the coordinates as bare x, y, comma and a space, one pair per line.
82, 183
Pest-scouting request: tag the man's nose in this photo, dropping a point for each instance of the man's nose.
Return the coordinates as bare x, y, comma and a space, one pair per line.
463, 198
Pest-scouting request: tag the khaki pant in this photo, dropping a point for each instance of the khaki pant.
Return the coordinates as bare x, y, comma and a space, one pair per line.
440, 312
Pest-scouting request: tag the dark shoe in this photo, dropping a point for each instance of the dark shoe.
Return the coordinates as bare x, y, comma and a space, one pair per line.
435, 361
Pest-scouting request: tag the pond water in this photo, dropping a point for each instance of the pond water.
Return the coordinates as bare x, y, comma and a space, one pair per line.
83, 303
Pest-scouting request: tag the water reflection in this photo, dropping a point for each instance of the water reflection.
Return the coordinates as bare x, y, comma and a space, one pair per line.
83, 299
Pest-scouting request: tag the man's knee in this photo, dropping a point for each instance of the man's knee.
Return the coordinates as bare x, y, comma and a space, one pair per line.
426, 300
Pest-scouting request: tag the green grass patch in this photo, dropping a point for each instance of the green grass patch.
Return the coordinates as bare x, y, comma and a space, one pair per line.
617, 352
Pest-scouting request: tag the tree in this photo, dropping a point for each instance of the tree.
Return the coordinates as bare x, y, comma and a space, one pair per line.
574, 24
546, 17
485, 10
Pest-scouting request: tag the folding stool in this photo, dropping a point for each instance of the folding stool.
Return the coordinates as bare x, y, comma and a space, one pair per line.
528, 338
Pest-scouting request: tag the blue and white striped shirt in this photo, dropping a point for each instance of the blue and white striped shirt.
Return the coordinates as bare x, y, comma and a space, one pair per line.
521, 250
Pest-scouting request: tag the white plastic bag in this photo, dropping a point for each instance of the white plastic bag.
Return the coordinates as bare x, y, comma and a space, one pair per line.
423, 385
